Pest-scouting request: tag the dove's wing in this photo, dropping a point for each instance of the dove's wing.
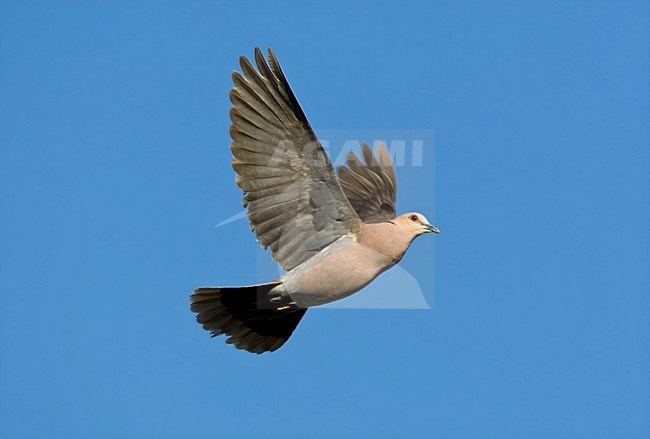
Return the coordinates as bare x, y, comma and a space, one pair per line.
370, 186
295, 203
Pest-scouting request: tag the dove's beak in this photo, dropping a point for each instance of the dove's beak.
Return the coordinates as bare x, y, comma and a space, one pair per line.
429, 228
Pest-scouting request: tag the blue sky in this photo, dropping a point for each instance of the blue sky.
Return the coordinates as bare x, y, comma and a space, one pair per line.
115, 167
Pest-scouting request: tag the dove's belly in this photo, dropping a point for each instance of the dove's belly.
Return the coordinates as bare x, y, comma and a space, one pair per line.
335, 273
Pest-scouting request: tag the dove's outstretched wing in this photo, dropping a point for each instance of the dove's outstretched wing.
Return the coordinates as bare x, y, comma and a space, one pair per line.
370, 186
295, 203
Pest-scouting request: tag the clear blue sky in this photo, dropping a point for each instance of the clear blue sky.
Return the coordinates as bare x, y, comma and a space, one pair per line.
115, 167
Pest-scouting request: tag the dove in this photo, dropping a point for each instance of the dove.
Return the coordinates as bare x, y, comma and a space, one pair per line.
331, 234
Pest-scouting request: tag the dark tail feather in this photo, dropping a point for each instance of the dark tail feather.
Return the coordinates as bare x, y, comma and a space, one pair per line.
247, 315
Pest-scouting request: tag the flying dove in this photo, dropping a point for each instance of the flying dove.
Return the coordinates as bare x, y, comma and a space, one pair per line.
332, 236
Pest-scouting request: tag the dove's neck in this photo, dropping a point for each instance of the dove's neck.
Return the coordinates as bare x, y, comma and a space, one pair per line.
387, 239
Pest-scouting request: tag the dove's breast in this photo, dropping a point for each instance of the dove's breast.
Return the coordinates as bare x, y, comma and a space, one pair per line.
341, 269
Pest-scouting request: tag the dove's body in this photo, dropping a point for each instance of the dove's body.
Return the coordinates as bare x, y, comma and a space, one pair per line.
332, 235
346, 266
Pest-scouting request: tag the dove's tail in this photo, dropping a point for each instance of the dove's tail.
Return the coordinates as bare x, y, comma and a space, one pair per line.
248, 315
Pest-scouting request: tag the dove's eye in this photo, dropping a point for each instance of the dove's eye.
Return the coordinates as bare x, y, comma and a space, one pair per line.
413, 218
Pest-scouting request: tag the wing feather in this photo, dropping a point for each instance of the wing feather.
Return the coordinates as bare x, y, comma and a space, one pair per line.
296, 205
370, 186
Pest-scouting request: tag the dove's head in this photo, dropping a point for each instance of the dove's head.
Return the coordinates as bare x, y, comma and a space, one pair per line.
415, 224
